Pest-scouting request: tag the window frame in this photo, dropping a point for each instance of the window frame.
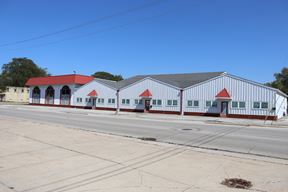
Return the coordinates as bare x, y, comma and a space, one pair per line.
126, 102
101, 101
265, 103
111, 101
253, 106
156, 104
192, 104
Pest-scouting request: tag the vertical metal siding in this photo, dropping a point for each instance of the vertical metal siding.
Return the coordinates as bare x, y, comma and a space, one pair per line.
281, 106
239, 90
102, 90
158, 90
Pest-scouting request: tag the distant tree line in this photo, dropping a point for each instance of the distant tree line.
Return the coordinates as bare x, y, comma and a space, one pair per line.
19, 70
281, 81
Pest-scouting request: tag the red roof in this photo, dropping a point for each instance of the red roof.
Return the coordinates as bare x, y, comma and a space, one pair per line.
93, 94
146, 93
223, 94
59, 80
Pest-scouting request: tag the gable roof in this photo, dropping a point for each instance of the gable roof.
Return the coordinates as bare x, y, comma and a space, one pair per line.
177, 80
59, 80
93, 94
223, 94
146, 93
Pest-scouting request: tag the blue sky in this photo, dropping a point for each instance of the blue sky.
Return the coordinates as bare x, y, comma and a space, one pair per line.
248, 38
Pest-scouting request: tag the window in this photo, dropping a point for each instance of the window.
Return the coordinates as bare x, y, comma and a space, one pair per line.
126, 101
22, 90
211, 104
111, 101
100, 100
15, 90
264, 105
79, 100
238, 104
157, 102
208, 103
88, 100
175, 102
242, 104
260, 105
193, 103
136, 101
256, 105
172, 102
234, 104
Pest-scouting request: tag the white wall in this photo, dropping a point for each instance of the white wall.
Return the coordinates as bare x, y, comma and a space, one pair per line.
56, 88
102, 90
281, 106
158, 90
240, 90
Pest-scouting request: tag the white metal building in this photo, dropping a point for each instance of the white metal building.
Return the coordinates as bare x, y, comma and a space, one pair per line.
213, 94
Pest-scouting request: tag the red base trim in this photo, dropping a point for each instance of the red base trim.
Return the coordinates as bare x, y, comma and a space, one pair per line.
165, 112
202, 114
261, 117
133, 110
73, 106
151, 111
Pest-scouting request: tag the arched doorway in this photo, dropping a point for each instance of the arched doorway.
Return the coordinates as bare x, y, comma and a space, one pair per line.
49, 95
65, 95
36, 95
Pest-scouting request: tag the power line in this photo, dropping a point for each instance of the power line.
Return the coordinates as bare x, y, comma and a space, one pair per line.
95, 32
151, 4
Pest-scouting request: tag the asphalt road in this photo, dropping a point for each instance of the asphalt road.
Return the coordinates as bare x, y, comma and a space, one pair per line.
271, 142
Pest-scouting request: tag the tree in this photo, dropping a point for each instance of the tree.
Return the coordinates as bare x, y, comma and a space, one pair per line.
108, 76
281, 80
18, 71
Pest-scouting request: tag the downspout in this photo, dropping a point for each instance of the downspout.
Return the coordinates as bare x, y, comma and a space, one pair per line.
181, 103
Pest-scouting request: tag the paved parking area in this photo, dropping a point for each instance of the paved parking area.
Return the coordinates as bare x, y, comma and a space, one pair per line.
53, 158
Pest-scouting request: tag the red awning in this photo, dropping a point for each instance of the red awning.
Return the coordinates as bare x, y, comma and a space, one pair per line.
93, 94
146, 93
224, 94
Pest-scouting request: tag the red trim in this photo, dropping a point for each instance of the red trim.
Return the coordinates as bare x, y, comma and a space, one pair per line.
73, 106
223, 94
165, 112
93, 94
133, 110
59, 80
261, 117
202, 114
146, 93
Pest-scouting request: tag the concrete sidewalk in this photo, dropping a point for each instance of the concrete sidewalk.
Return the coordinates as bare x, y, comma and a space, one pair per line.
37, 157
281, 123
